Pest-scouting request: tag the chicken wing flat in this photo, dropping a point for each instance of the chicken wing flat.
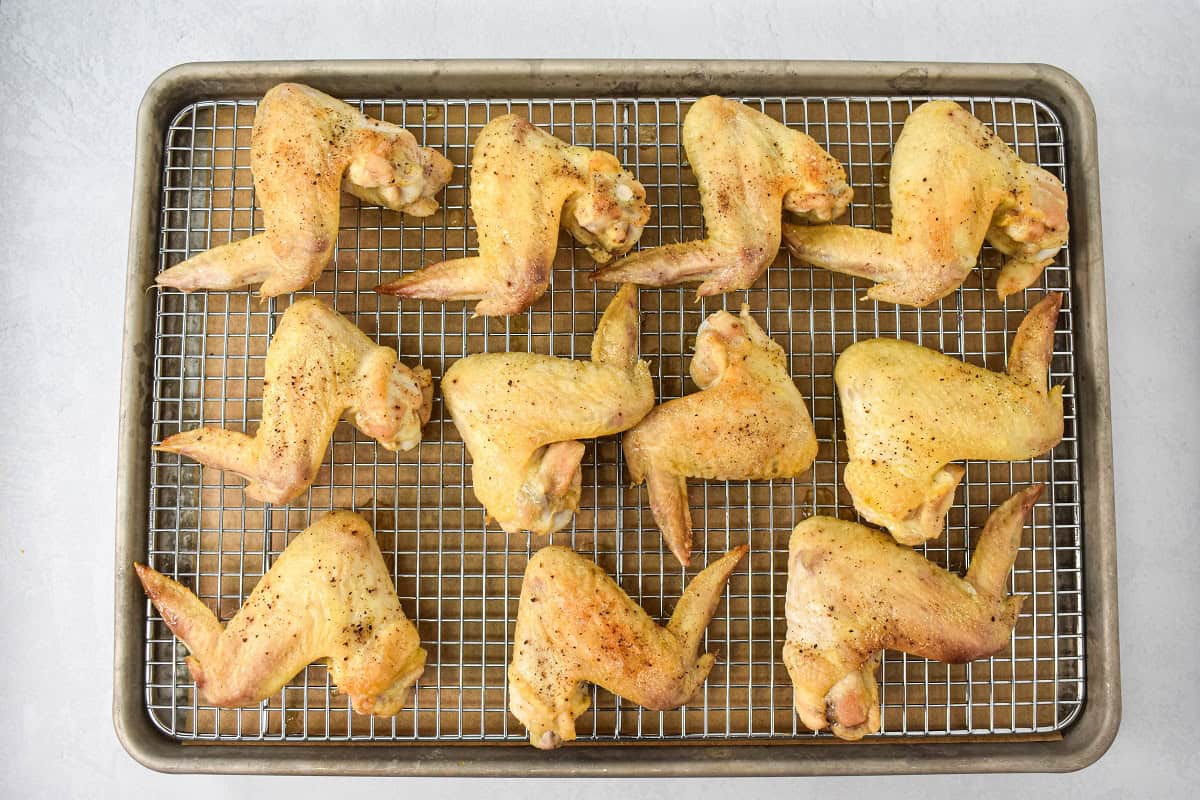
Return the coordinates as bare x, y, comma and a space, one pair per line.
523, 182
328, 596
853, 592
908, 411
319, 365
747, 422
953, 184
749, 169
521, 416
576, 625
305, 149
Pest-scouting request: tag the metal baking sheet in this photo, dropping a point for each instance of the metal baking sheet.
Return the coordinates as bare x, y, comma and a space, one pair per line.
202, 360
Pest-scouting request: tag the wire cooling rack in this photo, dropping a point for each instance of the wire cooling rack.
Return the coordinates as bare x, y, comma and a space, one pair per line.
459, 580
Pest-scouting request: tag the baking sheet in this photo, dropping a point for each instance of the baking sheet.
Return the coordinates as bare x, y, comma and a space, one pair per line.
459, 581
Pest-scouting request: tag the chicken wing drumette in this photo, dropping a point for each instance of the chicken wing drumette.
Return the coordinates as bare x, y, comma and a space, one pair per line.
853, 592
953, 184
748, 422
305, 149
319, 365
749, 169
576, 625
523, 183
328, 596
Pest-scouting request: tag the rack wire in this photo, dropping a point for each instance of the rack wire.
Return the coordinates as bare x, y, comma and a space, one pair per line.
460, 580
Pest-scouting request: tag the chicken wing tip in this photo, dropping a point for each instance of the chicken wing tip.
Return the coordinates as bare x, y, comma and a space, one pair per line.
1054, 298
1030, 495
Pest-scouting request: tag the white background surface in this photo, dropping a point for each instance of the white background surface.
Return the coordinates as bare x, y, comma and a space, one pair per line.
70, 81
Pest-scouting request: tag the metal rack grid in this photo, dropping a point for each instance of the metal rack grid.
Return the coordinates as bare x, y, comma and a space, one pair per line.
460, 581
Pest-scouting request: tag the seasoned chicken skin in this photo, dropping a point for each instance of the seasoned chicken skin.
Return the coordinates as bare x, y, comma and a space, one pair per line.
523, 182
521, 416
909, 411
319, 365
749, 170
576, 625
748, 422
853, 592
953, 184
305, 149
328, 596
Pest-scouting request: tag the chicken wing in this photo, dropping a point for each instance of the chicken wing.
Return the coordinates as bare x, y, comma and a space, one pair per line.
953, 184
909, 411
749, 169
748, 422
523, 181
328, 596
576, 625
521, 414
305, 148
319, 365
853, 592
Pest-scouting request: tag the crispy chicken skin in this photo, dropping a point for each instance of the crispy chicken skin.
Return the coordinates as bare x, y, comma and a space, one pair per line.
328, 596
747, 422
521, 416
319, 366
576, 625
953, 184
853, 592
523, 182
749, 169
909, 411
305, 149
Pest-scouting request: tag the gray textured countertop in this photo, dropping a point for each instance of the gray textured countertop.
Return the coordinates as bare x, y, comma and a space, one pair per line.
70, 81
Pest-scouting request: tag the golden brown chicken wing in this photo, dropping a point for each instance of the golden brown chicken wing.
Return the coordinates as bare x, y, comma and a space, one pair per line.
909, 411
953, 184
523, 181
576, 625
748, 422
305, 149
749, 169
521, 416
328, 596
319, 365
853, 592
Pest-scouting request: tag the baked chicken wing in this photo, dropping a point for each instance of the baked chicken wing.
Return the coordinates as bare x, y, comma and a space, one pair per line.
853, 592
748, 422
319, 366
909, 411
576, 625
523, 182
953, 184
328, 596
521, 416
749, 169
305, 149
